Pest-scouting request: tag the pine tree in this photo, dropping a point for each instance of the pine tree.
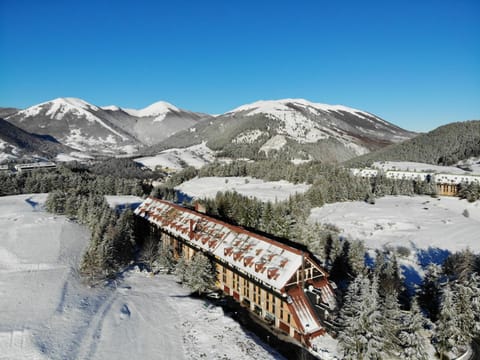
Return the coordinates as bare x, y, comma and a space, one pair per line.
181, 269
463, 298
165, 259
362, 334
411, 341
429, 294
448, 331
391, 316
199, 275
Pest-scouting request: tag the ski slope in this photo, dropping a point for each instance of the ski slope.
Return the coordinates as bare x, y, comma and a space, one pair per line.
46, 312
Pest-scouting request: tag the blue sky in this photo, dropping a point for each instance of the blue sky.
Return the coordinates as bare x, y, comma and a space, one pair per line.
414, 63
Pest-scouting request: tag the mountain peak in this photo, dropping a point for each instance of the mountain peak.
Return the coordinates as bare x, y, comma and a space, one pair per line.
158, 109
75, 102
276, 107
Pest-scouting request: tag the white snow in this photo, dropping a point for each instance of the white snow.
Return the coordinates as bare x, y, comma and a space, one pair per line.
73, 156
247, 137
275, 143
159, 110
120, 200
279, 107
421, 167
416, 222
58, 108
326, 347
295, 115
263, 190
47, 313
7, 151
196, 156
111, 108
473, 163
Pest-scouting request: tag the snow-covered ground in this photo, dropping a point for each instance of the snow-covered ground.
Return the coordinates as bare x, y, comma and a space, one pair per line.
417, 222
47, 313
120, 201
196, 156
421, 167
248, 186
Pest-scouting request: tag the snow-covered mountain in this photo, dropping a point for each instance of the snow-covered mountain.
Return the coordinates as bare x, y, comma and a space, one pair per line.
16, 143
297, 127
111, 129
154, 123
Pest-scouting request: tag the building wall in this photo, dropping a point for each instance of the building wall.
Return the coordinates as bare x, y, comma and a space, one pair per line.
264, 302
447, 189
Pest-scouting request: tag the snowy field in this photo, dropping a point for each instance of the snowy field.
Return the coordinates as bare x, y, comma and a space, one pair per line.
196, 156
263, 190
419, 222
121, 201
421, 167
47, 313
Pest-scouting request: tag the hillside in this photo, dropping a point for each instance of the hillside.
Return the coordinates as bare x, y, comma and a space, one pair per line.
15, 143
445, 145
291, 128
111, 129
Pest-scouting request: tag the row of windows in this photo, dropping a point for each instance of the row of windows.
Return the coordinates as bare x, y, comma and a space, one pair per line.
242, 286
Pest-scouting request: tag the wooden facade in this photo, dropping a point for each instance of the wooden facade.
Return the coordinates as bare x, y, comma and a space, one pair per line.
281, 284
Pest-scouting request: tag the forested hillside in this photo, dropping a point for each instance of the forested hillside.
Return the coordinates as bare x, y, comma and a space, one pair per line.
445, 145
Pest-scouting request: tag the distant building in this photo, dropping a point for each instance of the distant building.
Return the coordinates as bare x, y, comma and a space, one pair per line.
447, 184
44, 165
282, 284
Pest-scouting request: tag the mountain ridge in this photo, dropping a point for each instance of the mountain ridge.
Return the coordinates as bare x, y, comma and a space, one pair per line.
295, 128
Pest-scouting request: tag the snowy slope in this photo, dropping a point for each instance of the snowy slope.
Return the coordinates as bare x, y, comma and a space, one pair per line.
75, 123
297, 127
87, 127
196, 156
207, 187
47, 313
299, 119
416, 222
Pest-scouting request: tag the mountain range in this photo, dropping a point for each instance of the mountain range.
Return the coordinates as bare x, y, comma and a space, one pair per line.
294, 128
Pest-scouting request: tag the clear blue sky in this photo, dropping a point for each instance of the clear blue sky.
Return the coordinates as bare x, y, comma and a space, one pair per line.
415, 63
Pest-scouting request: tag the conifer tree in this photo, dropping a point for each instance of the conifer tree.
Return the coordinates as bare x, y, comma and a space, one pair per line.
199, 274
412, 343
362, 334
448, 331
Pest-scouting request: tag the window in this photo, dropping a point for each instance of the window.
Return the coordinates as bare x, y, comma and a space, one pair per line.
224, 275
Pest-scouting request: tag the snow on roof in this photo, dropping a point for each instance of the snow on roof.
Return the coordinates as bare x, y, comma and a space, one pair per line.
269, 261
303, 311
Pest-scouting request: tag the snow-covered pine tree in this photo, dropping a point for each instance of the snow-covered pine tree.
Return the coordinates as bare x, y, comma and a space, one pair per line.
181, 269
448, 331
474, 284
356, 256
463, 299
412, 343
391, 320
199, 275
362, 334
429, 294
165, 259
